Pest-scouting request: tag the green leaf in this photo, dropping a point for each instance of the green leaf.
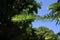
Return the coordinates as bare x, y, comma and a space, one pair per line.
54, 6
22, 17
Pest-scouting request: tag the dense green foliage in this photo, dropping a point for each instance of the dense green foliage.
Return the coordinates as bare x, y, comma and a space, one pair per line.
44, 33
16, 18
11, 30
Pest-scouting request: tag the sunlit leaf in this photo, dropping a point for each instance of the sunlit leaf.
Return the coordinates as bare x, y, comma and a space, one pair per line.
54, 6
22, 17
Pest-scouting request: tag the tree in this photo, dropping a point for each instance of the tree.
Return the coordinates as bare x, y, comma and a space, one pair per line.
12, 28
44, 33
55, 12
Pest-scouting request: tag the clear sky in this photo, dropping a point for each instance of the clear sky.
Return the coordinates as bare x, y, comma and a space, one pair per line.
43, 11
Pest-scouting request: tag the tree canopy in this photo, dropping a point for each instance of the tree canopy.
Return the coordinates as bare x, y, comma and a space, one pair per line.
16, 18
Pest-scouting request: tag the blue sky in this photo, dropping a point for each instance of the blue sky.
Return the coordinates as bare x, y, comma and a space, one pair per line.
43, 11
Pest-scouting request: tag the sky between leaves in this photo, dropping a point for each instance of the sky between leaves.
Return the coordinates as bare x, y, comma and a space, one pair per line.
43, 11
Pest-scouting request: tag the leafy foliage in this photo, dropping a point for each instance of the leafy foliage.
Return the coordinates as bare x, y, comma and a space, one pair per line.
54, 6
23, 17
44, 33
55, 12
16, 17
